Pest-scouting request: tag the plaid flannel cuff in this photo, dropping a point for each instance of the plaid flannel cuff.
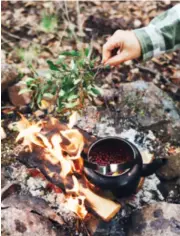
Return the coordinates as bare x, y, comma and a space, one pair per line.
151, 40
145, 42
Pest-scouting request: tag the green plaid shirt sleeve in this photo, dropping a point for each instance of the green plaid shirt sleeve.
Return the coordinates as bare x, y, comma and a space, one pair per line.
161, 35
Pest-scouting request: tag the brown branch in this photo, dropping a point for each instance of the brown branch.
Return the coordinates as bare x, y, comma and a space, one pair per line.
14, 36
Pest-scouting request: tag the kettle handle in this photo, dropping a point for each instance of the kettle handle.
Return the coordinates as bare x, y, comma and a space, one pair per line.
151, 168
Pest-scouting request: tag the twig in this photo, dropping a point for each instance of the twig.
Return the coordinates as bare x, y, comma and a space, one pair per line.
14, 36
5, 41
68, 19
156, 73
145, 69
66, 10
79, 24
60, 41
172, 87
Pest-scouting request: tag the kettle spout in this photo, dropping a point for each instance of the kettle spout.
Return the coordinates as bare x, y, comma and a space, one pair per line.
151, 168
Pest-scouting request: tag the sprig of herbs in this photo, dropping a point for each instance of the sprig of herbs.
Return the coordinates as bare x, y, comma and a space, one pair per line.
71, 79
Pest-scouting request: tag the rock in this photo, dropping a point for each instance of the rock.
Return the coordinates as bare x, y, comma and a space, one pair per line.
20, 222
30, 203
170, 190
3, 133
150, 103
158, 219
10, 189
8, 76
16, 98
173, 131
23, 214
4, 180
171, 169
108, 94
89, 120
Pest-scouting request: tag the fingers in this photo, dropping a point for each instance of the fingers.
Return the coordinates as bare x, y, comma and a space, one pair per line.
113, 42
106, 54
108, 47
116, 60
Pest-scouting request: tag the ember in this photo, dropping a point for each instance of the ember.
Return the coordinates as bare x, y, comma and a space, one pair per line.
60, 146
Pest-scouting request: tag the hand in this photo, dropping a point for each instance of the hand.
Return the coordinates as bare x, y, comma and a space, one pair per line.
127, 45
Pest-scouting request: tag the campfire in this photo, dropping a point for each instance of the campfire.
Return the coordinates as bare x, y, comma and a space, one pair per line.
56, 150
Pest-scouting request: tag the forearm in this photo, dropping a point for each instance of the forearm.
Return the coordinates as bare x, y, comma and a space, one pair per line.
161, 35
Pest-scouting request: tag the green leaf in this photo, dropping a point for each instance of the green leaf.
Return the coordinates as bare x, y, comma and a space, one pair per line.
76, 81
61, 93
25, 90
48, 95
52, 66
61, 57
32, 86
73, 65
29, 79
45, 88
39, 98
86, 51
53, 89
30, 82
50, 82
71, 53
72, 97
95, 91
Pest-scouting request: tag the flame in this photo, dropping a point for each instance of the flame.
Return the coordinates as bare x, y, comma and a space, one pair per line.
73, 119
50, 136
76, 203
76, 142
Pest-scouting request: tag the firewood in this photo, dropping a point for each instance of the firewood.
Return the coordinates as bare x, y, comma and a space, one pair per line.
104, 207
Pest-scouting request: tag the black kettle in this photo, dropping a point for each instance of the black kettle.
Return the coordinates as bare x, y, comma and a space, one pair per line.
126, 182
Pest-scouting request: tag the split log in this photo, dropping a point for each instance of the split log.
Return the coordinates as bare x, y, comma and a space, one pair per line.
104, 207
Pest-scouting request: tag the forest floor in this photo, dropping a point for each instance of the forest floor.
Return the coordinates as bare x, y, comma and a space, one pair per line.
139, 98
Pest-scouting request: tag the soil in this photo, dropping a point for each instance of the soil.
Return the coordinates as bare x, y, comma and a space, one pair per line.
140, 102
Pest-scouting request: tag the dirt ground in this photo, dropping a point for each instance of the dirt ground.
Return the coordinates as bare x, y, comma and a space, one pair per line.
36, 31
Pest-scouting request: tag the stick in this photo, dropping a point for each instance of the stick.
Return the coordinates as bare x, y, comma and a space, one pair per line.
104, 207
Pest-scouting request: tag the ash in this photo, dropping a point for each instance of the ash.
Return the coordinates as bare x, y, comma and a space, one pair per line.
37, 187
148, 194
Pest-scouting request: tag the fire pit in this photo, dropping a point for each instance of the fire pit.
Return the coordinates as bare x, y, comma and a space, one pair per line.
55, 149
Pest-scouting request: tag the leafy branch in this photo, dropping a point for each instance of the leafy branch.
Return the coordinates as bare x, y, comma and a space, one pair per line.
71, 80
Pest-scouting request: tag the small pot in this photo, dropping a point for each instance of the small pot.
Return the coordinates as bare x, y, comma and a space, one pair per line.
126, 183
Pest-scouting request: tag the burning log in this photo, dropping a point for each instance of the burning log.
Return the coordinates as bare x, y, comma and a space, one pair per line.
104, 207
55, 150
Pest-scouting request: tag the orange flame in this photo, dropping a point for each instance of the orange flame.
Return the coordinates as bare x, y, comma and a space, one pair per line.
68, 155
